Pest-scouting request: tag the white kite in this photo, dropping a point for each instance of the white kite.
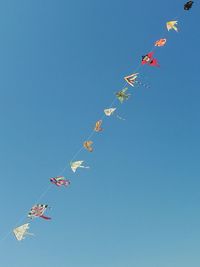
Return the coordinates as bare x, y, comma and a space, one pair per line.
109, 111
77, 164
131, 79
21, 231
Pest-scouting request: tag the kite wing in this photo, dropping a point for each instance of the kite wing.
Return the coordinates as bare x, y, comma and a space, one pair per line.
97, 127
150, 55
21, 231
124, 90
171, 25
131, 79
154, 62
168, 25
160, 42
143, 62
38, 211
109, 111
88, 145
145, 59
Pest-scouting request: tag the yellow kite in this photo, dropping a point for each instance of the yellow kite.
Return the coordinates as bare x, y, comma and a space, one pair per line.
97, 127
171, 25
88, 145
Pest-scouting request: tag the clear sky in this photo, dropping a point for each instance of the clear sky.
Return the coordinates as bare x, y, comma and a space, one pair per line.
61, 63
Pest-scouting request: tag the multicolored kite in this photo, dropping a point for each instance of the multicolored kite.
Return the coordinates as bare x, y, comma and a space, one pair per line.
171, 25
77, 164
160, 42
88, 145
149, 60
131, 79
38, 211
21, 231
59, 181
122, 95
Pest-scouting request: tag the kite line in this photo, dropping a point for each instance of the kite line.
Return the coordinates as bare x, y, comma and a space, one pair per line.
148, 59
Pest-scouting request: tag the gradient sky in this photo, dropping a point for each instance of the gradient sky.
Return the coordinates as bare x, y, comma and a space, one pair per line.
61, 63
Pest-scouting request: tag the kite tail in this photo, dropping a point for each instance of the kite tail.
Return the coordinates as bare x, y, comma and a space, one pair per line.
31, 234
143, 84
85, 167
45, 217
120, 118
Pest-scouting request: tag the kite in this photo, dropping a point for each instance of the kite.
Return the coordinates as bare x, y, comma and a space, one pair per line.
88, 145
77, 164
21, 231
38, 211
160, 42
171, 25
109, 111
59, 181
149, 60
97, 127
188, 5
122, 96
131, 79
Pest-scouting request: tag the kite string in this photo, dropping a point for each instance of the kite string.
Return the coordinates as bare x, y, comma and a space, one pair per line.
88, 138
19, 221
92, 133
75, 155
153, 49
10, 231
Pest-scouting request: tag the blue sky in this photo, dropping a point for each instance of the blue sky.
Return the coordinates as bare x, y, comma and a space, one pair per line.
61, 63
